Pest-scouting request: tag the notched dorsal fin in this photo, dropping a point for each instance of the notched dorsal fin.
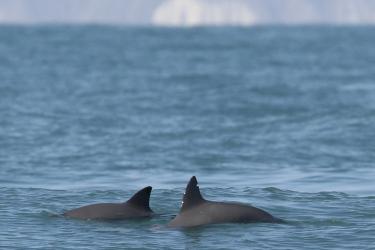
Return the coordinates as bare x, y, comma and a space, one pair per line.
141, 198
192, 196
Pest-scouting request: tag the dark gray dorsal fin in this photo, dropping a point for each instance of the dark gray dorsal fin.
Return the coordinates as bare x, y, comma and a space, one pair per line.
192, 196
141, 198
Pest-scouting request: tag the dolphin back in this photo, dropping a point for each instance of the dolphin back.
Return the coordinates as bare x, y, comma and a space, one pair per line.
137, 206
196, 211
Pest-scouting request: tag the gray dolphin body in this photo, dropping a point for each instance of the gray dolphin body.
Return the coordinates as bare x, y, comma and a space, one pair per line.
197, 211
136, 207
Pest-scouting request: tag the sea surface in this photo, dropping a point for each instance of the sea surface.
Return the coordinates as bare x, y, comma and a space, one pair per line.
282, 118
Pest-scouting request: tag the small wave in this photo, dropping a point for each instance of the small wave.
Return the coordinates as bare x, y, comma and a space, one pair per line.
359, 87
50, 214
323, 222
323, 194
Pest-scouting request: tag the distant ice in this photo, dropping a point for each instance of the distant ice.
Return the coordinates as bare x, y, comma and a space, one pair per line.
196, 12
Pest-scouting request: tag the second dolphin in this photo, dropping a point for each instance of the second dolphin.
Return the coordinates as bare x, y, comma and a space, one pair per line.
196, 211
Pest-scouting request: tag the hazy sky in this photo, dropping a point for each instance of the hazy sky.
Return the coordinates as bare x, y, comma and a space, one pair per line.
188, 12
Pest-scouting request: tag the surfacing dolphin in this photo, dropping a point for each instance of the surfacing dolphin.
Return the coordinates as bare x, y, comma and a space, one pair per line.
137, 206
196, 211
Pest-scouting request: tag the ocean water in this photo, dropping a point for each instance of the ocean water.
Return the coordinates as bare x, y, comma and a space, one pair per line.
282, 118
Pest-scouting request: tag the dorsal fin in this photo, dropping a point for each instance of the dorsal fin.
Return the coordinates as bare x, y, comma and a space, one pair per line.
192, 196
141, 198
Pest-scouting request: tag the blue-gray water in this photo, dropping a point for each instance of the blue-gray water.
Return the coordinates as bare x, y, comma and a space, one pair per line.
282, 118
